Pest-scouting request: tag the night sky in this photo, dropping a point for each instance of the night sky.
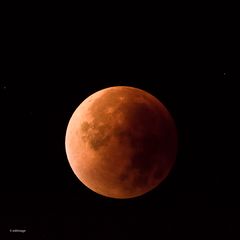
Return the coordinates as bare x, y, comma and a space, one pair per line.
40, 193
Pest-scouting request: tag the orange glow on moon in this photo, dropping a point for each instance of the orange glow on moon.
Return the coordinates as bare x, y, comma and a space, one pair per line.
121, 142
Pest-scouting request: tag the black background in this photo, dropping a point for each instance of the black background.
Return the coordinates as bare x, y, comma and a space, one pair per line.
46, 76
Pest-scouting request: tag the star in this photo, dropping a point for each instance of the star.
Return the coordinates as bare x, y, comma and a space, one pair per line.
3, 87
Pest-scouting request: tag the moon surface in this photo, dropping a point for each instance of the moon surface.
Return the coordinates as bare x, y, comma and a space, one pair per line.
121, 142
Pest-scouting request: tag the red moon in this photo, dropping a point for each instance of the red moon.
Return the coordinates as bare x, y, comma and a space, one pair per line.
121, 142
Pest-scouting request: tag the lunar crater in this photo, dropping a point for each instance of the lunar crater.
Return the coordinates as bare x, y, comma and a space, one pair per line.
96, 134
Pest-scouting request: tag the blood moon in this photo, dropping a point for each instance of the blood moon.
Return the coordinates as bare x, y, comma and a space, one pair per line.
121, 142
